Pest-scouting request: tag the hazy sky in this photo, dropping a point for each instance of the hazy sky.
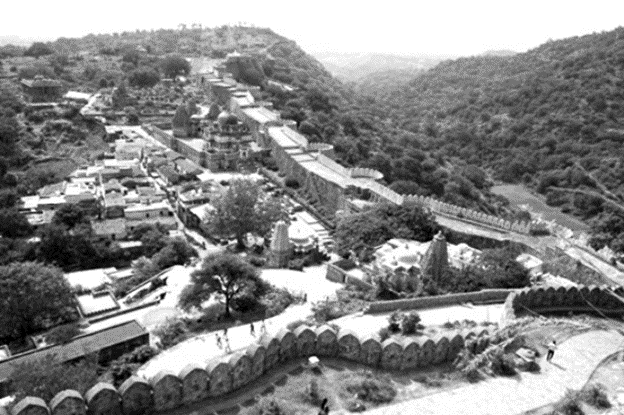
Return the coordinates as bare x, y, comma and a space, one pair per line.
409, 27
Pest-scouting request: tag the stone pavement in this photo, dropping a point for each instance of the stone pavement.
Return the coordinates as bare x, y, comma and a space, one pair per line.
571, 367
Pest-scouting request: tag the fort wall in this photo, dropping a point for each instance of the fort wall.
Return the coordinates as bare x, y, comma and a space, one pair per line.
167, 391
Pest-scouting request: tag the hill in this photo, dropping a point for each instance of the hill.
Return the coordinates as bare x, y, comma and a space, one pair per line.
355, 66
551, 117
499, 52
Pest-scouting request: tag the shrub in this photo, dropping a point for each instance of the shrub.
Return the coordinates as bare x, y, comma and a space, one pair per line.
384, 334
355, 406
296, 264
394, 321
596, 396
276, 300
292, 183
126, 365
569, 405
503, 363
371, 388
245, 303
63, 334
257, 261
410, 323
292, 326
171, 332
271, 408
472, 372
428, 381
324, 311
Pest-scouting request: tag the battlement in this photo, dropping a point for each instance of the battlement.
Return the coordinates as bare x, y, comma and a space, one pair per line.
195, 383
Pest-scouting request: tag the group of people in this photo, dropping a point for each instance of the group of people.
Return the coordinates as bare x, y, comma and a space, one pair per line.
224, 339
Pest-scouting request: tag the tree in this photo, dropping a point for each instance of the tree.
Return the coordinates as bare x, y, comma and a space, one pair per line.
13, 224
38, 49
362, 232
70, 216
226, 275
132, 56
176, 252
406, 187
45, 377
243, 209
174, 65
33, 297
9, 132
144, 78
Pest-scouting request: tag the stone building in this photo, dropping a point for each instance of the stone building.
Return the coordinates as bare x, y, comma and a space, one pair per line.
41, 89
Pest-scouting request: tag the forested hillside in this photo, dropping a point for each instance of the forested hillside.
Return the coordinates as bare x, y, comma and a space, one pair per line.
552, 117
325, 109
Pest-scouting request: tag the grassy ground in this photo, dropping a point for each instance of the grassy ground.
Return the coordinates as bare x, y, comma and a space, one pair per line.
558, 263
292, 395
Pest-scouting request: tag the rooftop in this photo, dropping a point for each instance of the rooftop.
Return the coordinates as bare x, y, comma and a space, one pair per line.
108, 226
261, 115
89, 279
41, 83
96, 303
78, 347
145, 207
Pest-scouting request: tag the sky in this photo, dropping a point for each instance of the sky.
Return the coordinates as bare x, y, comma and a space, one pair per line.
433, 27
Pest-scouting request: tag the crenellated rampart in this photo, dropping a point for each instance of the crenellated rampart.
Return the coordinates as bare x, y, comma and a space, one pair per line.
604, 301
167, 391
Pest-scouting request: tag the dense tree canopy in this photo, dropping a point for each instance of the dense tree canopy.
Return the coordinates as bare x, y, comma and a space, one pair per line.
225, 275
144, 77
38, 49
361, 233
33, 297
44, 378
244, 209
174, 65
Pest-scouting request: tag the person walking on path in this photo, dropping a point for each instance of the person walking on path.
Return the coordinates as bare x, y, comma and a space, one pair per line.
219, 344
263, 327
252, 329
551, 350
228, 349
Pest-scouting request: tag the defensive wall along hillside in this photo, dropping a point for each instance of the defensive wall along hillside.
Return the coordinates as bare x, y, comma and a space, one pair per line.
167, 391
220, 377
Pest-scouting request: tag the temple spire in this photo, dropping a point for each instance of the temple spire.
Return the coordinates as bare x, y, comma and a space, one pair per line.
435, 261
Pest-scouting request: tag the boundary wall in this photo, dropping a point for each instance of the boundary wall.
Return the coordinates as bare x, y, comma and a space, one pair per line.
167, 391
484, 296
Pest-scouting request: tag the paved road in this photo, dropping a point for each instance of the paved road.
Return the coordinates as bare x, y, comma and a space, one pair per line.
572, 366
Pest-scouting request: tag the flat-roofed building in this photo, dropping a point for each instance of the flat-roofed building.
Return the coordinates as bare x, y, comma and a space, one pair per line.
108, 343
41, 89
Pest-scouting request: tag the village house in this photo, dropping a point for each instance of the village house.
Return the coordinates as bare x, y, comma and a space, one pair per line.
41, 89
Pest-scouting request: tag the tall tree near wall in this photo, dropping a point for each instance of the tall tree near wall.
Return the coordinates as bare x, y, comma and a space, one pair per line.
33, 297
244, 209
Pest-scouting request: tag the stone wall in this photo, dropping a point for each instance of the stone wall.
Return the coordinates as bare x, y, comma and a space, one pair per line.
484, 296
585, 299
167, 391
